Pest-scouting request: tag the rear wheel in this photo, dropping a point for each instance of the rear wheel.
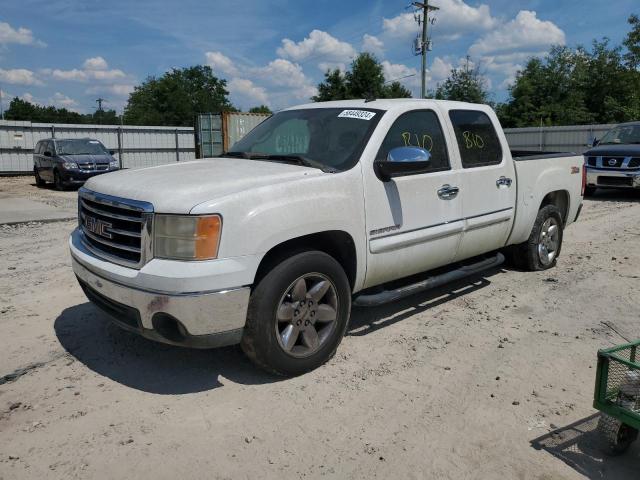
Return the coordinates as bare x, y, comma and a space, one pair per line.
39, 181
615, 436
298, 313
541, 250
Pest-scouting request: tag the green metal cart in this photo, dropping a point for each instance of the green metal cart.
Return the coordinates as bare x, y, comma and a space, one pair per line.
617, 396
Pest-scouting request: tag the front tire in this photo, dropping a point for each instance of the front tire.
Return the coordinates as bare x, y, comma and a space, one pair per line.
298, 313
57, 181
39, 181
541, 250
589, 191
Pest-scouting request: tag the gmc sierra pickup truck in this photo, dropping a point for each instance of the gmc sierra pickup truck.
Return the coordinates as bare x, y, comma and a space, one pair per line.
320, 207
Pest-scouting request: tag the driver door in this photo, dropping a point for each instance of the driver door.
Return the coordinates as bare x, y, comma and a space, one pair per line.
413, 224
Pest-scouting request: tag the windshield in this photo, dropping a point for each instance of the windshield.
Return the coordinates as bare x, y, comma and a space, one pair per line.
624, 134
321, 137
80, 147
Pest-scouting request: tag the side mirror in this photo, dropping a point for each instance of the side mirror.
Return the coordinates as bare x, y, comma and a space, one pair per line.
595, 142
402, 161
47, 154
112, 152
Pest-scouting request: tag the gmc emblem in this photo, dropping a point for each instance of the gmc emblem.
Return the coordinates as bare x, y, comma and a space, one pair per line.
97, 226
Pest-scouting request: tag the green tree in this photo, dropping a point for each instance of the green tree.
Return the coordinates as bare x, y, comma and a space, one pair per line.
365, 79
261, 109
464, 84
395, 90
632, 42
177, 97
333, 87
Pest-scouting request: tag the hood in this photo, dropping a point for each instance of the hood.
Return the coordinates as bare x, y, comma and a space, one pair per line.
614, 151
178, 187
86, 158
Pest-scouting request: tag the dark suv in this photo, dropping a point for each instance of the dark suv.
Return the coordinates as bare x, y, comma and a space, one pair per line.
614, 161
70, 162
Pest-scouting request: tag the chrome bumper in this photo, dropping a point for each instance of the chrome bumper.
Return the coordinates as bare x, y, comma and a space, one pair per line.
200, 320
627, 179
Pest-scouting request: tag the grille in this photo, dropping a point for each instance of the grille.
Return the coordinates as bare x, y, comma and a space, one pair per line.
90, 166
616, 162
615, 181
115, 229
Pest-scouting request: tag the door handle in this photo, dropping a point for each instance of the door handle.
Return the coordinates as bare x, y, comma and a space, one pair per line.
503, 182
447, 192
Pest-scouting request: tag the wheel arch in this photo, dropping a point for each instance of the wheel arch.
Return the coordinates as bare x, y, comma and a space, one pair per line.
336, 243
560, 199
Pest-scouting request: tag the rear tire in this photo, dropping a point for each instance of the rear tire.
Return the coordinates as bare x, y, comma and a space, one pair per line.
39, 181
615, 436
298, 313
541, 250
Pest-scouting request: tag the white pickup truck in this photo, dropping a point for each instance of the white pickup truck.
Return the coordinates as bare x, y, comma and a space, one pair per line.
320, 207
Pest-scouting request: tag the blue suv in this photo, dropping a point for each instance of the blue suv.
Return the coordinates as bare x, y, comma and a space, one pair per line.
70, 162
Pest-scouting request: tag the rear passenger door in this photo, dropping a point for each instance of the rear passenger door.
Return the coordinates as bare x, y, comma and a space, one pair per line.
488, 189
412, 225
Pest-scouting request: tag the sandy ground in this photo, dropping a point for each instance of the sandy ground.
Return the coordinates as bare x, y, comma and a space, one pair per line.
490, 378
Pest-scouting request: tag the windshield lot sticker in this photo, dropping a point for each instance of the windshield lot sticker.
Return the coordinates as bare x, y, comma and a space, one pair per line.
359, 114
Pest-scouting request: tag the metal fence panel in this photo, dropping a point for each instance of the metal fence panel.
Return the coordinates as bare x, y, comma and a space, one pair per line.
575, 138
135, 146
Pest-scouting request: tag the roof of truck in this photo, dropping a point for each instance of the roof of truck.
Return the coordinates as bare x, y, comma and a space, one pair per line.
383, 103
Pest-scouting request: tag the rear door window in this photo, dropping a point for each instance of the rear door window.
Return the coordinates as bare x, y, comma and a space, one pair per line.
477, 138
418, 128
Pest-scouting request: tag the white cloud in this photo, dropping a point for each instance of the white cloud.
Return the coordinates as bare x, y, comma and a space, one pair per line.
372, 44
95, 68
525, 32
19, 76
440, 70
282, 72
454, 19
324, 66
95, 63
247, 92
395, 71
61, 100
221, 63
119, 90
21, 36
317, 44
28, 97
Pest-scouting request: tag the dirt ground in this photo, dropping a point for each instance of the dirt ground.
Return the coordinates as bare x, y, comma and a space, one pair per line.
490, 378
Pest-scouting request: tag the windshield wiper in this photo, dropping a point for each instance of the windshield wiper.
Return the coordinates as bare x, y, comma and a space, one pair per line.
289, 158
301, 160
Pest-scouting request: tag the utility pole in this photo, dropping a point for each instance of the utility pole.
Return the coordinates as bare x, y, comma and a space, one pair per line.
425, 42
1, 107
99, 111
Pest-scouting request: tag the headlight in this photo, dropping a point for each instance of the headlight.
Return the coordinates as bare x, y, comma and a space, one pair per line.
114, 164
69, 165
187, 237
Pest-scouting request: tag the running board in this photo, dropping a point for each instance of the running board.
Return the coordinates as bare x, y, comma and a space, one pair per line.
387, 296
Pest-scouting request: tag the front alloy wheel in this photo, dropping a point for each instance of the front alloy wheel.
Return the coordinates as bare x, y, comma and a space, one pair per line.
307, 315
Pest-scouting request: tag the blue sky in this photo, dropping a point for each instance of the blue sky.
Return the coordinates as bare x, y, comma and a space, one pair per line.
70, 52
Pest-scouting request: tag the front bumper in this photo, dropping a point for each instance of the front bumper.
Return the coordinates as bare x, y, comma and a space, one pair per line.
195, 304
79, 177
607, 178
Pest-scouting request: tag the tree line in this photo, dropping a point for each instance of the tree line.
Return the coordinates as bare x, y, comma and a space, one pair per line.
567, 86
